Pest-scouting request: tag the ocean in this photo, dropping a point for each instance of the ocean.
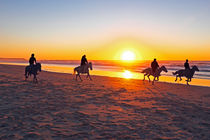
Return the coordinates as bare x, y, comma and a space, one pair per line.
123, 69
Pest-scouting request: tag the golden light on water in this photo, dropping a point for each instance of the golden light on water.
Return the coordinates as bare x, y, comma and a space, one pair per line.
127, 74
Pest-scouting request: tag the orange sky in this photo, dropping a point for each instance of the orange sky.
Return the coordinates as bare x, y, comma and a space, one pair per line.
103, 30
104, 50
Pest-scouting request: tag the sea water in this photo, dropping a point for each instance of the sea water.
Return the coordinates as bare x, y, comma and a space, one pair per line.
127, 69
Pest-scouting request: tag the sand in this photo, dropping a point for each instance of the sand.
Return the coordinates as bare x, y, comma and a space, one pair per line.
58, 107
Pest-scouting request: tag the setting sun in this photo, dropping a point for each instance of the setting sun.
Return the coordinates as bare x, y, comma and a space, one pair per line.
128, 55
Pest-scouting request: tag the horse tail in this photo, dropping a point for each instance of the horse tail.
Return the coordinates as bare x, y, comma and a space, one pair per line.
74, 71
143, 71
26, 71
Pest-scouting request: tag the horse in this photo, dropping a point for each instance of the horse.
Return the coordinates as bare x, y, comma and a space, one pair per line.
187, 73
148, 72
32, 70
83, 69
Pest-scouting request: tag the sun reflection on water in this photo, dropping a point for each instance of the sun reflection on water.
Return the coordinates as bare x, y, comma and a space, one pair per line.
127, 74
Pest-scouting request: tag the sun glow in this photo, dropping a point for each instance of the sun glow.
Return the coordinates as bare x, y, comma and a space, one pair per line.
128, 55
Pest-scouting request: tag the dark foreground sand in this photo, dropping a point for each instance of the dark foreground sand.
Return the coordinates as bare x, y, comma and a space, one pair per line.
59, 107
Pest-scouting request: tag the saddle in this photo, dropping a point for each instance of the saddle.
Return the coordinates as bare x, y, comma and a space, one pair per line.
153, 72
187, 72
83, 70
31, 68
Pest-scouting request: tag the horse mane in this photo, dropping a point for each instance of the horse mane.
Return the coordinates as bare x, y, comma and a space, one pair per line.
194, 66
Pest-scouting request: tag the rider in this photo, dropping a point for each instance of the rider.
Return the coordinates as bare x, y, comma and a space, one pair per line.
32, 61
154, 65
83, 61
186, 65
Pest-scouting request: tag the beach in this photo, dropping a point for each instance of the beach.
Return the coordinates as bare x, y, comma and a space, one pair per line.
58, 107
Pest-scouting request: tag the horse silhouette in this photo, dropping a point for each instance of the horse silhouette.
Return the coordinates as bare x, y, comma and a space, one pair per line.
83, 69
148, 72
32, 70
187, 73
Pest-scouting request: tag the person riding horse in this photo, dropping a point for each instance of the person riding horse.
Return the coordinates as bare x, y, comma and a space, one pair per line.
32, 61
83, 62
154, 66
33, 68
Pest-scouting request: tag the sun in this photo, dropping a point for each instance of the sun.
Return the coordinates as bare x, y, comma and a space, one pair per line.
128, 55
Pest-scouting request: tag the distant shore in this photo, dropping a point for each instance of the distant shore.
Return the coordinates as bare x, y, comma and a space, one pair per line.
58, 107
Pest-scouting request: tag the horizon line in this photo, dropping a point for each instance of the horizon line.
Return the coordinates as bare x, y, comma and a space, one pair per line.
105, 59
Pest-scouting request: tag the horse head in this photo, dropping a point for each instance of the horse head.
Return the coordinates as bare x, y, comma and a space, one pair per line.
39, 67
163, 68
195, 68
90, 65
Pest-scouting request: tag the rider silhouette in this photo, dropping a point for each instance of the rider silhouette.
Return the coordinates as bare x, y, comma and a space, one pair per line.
32, 60
83, 62
186, 65
154, 66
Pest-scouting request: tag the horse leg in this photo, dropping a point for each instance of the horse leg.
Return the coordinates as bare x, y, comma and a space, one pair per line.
26, 76
148, 77
76, 76
26, 73
144, 76
176, 78
80, 77
35, 79
89, 77
187, 81
180, 78
153, 81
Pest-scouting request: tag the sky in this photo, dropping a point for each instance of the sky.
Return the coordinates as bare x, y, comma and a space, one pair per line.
104, 29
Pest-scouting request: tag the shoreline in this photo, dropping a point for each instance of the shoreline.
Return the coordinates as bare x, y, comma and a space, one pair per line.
58, 107
115, 74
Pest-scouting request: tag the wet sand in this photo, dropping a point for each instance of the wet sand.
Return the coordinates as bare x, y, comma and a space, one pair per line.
58, 107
